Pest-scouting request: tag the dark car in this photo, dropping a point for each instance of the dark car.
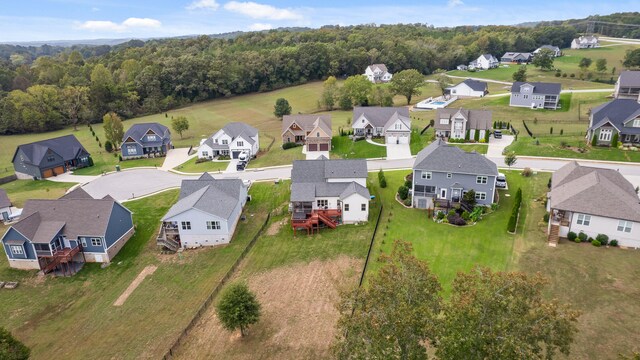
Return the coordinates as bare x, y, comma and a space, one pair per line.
241, 165
497, 134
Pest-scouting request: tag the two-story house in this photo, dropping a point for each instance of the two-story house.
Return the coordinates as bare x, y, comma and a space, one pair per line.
312, 131
619, 116
51, 157
468, 88
628, 85
585, 42
232, 140
5, 206
62, 234
554, 49
445, 172
145, 140
206, 213
394, 124
593, 201
535, 95
378, 73
484, 62
462, 123
327, 193
516, 57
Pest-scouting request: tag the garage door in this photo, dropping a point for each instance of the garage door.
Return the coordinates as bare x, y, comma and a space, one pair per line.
47, 173
324, 147
235, 154
312, 147
404, 139
391, 139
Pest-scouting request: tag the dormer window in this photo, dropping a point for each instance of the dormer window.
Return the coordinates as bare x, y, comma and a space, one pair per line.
636, 123
318, 134
444, 121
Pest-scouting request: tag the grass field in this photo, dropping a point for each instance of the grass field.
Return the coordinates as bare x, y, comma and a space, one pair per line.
552, 146
21, 190
208, 166
345, 148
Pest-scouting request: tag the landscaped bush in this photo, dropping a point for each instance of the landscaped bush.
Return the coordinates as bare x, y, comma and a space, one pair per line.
596, 243
119, 157
603, 239
469, 198
572, 75
564, 75
526, 172
440, 215
513, 219
613, 243
572, 236
546, 217
108, 146
289, 145
465, 215
590, 239
403, 192
407, 202
224, 157
407, 183
582, 236
477, 212
456, 219
382, 180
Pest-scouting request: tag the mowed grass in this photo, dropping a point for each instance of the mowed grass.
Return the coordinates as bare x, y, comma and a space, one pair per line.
207, 166
40, 309
346, 148
552, 146
20, 191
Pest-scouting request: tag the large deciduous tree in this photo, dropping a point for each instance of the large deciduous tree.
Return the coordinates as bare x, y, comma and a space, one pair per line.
180, 124
520, 74
74, 103
281, 108
357, 88
11, 348
544, 59
113, 129
407, 83
238, 308
329, 93
632, 59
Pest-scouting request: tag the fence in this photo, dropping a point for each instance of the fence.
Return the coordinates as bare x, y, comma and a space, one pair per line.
203, 308
425, 129
373, 237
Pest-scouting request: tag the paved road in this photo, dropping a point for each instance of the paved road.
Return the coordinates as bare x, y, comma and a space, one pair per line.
621, 40
480, 79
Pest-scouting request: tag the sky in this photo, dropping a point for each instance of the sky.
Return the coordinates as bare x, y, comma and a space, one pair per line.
39, 20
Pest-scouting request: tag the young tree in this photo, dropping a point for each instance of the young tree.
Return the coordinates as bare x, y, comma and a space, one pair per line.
281, 108
585, 63
510, 159
329, 93
180, 124
113, 129
238, 308
357, 88
407, 83
503, 315
443, 82
469, 198
601, 65
544, 59
632, 59
74, 103
520, 74
395, 315
11, 348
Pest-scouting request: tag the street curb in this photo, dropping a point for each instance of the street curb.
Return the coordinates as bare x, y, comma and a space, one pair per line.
580, 160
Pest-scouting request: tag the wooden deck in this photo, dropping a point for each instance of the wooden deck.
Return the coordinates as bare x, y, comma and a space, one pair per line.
312, 221
61, 257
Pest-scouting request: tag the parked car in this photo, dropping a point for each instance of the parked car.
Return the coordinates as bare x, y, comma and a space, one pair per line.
243, 157
241, 165
501, 181
497, 134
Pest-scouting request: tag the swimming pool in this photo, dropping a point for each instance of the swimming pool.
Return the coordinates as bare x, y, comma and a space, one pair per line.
438, 103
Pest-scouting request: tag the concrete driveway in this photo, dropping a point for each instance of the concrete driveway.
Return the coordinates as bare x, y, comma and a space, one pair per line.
497, 146
69, 177
129, 184
176, 157
398, 151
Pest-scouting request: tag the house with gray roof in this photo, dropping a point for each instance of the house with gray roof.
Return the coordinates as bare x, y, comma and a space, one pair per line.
484, 62
146, 140
62, 234
51, 157
585, 42
619, 116
554, 49
462, 123
392, 123
232, 140
443, 172
378, 73
328, 193
628, 85
5, 206
206, 213
593, 201
516, 57
535, 95
311, 131
468, 88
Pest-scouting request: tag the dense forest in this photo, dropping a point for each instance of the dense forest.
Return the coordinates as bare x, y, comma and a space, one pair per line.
615, 25
46, 88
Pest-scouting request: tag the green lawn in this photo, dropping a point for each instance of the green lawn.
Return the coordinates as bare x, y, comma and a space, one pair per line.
21, 190
551, 146
208, 166
156, 312
345, 148
106, 164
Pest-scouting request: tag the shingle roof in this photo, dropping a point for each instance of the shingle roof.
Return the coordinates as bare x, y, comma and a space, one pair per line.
68, 147
4, 199
618, 112
381, 67
77, 193
381, 116
476, 119
538, 87
319, 170
235, 130
137, 131
439, 156
549, 47
594, 191
307, 122
475, 85
309, 191
629, 78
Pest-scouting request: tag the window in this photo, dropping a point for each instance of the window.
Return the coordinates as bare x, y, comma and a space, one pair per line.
17, 250
444, 121
96, 242
449, 175
584, 219
426, 175
151, 138
481, 179
186, 225
605, 135
525, 96
131, 150
240, 143
346, 207
205, 153
624, 226
225, 142
363, 207
51, 158
213, 225
398, 127
318, 134
322, 203
636, 123
481, 196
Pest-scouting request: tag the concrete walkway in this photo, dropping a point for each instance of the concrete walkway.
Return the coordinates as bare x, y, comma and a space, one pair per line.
176, 157
370, 141
496, 146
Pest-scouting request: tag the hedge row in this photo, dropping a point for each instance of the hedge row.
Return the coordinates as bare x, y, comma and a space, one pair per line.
513, 220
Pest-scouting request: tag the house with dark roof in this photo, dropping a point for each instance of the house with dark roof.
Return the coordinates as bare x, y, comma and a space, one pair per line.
327, 193
62, 234
232, 140
444, 173
394, 124
462, 123
146, 140
206, 213
516, 57
619, 116
535, 95
5, 206
312, 131
484, 62
468, 88
593, 201
378, 73
554, 49
628, 85
585, 42
51, 157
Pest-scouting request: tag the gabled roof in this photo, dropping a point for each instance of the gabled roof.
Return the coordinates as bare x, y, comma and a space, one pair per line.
320, 170
439, 156
310, 191
381, 116
594, 191
77, 193
538, 87
475, 85
548, 47
617, 112
513, 55
4, 199
307, 122
629, 78
381, 67
68, 147
476, 119
235, 130
488, 57
137, 131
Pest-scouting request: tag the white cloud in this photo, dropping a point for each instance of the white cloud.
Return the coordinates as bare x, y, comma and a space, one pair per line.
454, 3
261, 11
101, 25
203, 4
260, 27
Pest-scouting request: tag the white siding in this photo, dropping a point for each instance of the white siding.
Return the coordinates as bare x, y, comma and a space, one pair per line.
204, 148
355, 213
199, 235
609, 227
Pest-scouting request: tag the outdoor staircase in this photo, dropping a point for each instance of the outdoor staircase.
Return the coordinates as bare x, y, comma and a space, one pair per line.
163, 241
327, 220
554, 235
312, 223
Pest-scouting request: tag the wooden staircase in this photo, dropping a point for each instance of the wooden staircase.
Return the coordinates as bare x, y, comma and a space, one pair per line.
59, 257
166, 242
554, 236
312, 223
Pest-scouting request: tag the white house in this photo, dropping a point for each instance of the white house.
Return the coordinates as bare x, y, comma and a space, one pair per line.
378, 73
5, 206
394, 124
556, 50
233, 139
585, 42
484, 62
468, 88
462, 124
206, 214
593, 201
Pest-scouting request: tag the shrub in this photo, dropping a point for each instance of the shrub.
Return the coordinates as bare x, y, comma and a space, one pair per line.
551, 130
382, 180
582, 236
558, 74
578, 240
119, 157
613, 243
596, 243
451, 213
469, 198
407, 183
572, 236
108, 146
494, 206
603, 239
466, 135
527, 172
546, 217
465, 215
383, 183
440, 215
614, 141
455, 219
590, 239
564, 75
289, 145
403, 192
572, 75
476, 135
594, 140
561, 132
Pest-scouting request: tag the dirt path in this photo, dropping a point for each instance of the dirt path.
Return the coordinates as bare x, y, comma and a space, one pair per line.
298, 315
134, 284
